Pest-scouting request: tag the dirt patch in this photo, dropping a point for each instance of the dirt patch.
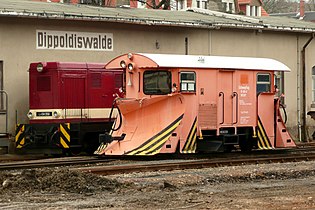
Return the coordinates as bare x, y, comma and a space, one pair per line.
265, 186
54, 180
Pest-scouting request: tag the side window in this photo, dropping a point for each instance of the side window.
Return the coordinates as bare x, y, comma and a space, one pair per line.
188, 82
157, 82
263, 83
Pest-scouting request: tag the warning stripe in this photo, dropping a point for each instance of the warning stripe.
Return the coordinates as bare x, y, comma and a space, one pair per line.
101, 148
20, 135
65, 135
190, 144
154, 144
263, 140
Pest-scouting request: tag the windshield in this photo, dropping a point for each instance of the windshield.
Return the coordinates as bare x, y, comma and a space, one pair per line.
157, 82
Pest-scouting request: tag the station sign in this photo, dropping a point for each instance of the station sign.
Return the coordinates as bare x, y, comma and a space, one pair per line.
70, 40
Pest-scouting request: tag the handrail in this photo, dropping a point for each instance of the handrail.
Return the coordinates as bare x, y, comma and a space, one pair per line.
235, 95
222, 94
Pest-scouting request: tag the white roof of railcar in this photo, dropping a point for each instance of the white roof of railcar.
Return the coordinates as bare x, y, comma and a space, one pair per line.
219, 62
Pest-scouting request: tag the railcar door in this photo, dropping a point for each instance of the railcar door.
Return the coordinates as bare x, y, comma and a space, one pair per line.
73, 95
227, 99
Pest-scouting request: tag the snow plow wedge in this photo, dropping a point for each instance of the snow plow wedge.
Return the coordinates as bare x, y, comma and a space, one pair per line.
146, 126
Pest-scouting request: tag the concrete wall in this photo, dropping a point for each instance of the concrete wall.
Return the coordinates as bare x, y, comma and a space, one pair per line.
18, 50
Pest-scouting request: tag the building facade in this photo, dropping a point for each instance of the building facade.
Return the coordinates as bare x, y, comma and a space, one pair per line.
32, 35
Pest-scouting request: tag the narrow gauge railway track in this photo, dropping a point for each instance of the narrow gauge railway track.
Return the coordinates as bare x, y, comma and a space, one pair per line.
167, 165
164, 162
52, 162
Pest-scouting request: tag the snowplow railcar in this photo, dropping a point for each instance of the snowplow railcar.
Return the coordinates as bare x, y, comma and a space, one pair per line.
191, 104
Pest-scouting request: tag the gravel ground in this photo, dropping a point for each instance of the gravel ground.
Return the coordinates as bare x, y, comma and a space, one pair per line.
263, 186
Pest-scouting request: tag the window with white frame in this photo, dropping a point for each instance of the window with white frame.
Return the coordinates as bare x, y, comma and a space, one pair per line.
188, 81
228, 5
180, 4
202, 4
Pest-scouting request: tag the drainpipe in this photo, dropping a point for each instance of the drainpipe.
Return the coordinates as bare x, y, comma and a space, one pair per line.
298, 82
303, 77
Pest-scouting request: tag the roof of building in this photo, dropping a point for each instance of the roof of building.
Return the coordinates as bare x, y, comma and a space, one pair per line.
308, 15
247, 1
264, 12
190, 18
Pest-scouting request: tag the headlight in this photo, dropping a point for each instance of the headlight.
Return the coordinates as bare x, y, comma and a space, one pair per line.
123, 64
30, 115
130, 66
130, 56
40, 67
56, 114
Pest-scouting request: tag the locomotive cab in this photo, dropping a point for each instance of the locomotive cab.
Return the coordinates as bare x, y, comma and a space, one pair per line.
190, 104
69, 107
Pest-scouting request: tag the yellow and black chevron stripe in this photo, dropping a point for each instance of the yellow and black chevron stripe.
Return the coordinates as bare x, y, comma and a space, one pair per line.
101, 148
20, 135
191, 144
154, 144
65, 135
263, 140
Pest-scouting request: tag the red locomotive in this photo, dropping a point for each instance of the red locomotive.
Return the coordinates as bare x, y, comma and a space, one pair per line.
190, 104
69, 106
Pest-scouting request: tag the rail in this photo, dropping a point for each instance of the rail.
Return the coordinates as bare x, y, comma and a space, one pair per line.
193, 164
116, 165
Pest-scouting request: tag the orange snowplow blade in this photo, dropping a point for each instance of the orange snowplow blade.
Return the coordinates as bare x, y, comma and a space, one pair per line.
146, 125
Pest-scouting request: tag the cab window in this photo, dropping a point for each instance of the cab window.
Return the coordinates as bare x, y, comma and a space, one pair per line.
157, 82
187, 82
263, 83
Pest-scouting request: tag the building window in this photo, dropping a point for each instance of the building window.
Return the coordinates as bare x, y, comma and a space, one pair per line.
141, 4
202, 4
231, 8
180, 4
157, 82
188, 82
92, 2
263, 83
